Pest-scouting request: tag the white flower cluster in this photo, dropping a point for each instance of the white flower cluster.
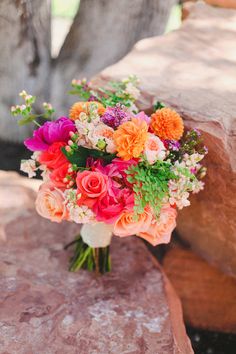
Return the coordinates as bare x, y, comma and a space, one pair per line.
79, 214
180, 188
132, 91
93, 133
29, 166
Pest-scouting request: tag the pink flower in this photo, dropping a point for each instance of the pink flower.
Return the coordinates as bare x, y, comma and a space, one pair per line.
115, 172
92, 186
109, 208
50, 203
127, 225
160, 230
141, 115
49, 133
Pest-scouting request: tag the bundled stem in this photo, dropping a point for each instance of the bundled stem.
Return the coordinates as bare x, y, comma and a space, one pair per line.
89, 258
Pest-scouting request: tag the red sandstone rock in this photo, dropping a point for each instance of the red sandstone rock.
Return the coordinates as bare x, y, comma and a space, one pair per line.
207, 295
231, 4
17, 196
45, 309
193, 71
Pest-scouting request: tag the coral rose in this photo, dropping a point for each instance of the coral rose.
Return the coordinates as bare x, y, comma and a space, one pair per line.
61, 177
83, 107
160, 230
167, 124
126, 225
91, 185
53, 157
130, 138
50, 203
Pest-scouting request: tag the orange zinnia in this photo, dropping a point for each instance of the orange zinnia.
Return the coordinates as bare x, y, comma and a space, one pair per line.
130, 138
167, 124
80, 107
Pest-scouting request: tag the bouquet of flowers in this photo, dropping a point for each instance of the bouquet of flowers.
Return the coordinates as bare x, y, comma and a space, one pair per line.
112, 168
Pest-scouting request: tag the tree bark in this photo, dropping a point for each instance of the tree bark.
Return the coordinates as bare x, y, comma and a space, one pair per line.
101, 34
25, 58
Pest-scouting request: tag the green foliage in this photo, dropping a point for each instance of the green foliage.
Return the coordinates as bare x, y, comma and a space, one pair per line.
80, 154
115, 93
190, 143
150, 184
26, 110
158, 105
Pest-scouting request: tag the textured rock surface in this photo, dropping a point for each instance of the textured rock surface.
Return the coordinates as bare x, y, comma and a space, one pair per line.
231, 4
208, 295
45, 309
193, 71
17, 196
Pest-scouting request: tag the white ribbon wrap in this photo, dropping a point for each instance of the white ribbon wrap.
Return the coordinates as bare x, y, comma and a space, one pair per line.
97, 235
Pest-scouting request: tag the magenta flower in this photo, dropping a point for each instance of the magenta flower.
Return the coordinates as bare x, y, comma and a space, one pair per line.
49, 133
109, 208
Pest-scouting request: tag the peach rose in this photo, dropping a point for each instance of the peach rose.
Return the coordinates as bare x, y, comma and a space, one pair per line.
126, 225
101, 137
50, 203
154, 149
91, 185
130, 138
160, 230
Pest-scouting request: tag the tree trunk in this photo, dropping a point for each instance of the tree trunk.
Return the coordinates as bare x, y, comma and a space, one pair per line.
101, 34
25, 58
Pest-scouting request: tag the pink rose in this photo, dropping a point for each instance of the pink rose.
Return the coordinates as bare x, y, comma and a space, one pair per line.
109, 208
50, 203
92, 186
115, 172
127, 225
160, 230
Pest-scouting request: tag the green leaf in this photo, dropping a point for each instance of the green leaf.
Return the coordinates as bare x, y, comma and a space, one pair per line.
79, 156
26, 120
159, 105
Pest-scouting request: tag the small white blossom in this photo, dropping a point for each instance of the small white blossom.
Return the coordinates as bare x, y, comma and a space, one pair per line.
36, 155
80, 214
29, 167
132, 91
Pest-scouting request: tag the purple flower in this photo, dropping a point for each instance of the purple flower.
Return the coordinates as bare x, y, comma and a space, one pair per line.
115, 116
197, 132
49, 133
141, 115
173, 145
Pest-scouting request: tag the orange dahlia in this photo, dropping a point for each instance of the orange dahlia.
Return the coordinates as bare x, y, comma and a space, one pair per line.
167, 124
130, 138
80, 107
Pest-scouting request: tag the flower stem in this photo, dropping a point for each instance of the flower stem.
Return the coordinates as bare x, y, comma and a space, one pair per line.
92, 259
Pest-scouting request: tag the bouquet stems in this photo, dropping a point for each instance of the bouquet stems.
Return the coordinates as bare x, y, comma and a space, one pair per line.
86, 257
